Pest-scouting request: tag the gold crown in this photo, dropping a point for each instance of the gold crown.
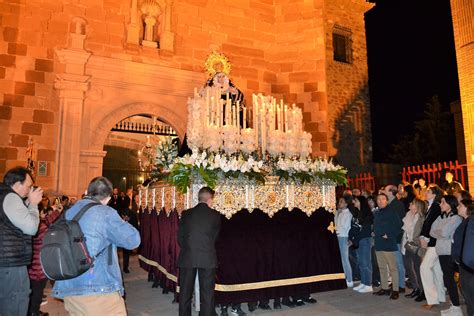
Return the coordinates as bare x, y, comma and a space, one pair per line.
217, 62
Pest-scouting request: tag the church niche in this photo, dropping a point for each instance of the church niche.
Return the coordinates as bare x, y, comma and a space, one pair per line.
150, 24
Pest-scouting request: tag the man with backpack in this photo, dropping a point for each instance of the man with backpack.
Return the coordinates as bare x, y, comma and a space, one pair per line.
19, 221
99, 290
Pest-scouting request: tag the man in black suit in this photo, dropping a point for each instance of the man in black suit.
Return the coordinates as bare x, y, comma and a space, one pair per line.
128, 212
197, 234
115, 200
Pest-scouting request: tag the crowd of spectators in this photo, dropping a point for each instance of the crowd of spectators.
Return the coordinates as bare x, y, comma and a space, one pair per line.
411, 239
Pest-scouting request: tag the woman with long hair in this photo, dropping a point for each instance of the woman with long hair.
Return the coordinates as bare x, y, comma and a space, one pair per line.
443, 230
412, 224
365, 219
430, 269
409, 195
343, 220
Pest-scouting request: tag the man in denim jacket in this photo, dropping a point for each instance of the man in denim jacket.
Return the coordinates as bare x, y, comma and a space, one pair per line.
98, 291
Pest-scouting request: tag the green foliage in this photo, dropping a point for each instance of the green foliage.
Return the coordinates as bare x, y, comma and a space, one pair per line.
180, 177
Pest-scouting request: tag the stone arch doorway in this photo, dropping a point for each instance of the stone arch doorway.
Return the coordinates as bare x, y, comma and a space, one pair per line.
130, 146
177, 120
92, 159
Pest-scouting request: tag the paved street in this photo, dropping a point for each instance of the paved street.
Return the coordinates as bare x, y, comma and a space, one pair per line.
143, 300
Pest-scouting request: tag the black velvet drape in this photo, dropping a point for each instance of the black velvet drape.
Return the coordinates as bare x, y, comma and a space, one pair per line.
254, 248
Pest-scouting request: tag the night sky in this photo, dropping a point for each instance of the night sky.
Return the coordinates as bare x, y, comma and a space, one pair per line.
411, 57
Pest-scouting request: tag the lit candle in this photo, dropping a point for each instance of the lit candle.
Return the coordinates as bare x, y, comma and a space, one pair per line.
221, 109
207, 107
212, 110
286, 118
272, 120
234, 116
255, 121
237, 114
245, 117
217, 112
293, 117
262, 120
228, 119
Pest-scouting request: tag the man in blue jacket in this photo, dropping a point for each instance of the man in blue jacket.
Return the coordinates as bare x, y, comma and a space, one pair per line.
99, 291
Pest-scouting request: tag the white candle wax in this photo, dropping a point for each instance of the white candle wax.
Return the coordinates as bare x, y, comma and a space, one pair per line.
293, 117
262, 119
245, 117
237, 116
228, 119
212, 111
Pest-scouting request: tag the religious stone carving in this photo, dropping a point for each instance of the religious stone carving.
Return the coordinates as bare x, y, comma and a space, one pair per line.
154, 16
151, 11
78, 35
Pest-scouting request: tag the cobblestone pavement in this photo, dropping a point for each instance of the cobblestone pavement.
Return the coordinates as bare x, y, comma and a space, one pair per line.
143, 300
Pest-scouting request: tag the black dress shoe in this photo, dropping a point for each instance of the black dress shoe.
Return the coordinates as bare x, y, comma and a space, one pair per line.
264, 306
286, 301
382, 292
310, 300
224, 310
252, 306
394, 295
151, 276
299, 302
413, 293
276, 305
401, 290
420, 298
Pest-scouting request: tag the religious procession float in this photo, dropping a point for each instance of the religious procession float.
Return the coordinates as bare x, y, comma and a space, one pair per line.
277, 237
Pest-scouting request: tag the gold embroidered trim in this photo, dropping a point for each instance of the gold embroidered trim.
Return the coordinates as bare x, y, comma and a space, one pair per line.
162, 269
256, 285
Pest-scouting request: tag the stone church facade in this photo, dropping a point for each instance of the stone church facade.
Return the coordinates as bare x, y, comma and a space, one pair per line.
70, 70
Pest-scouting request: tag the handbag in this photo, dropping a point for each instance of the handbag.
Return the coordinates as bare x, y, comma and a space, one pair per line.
412, 248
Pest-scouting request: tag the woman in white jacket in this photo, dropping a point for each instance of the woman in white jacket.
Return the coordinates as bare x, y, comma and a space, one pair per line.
343, 220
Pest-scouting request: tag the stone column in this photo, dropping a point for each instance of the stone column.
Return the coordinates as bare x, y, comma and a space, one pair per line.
167, 36
133, 30
71, 86
91, 162
463, 21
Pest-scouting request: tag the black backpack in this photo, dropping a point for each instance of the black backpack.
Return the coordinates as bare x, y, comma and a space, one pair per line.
64, 254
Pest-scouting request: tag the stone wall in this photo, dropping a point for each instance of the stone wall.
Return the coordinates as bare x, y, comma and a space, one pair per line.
278, 47
349, 132
463, 22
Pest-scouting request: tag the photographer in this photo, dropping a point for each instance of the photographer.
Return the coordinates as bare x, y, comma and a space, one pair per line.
19, 221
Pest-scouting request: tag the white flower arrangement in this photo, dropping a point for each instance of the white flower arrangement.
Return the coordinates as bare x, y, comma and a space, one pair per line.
166, 153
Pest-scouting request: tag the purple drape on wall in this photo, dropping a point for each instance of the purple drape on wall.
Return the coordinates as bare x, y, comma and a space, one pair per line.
253, 248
